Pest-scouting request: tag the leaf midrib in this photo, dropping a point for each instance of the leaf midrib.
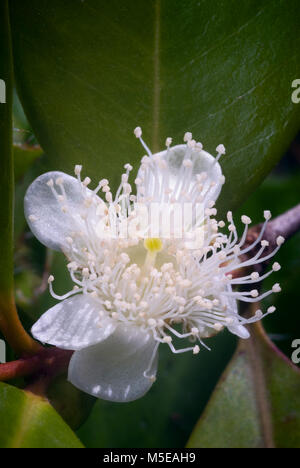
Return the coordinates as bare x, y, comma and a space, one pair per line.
30, 412
156, 76
252, 347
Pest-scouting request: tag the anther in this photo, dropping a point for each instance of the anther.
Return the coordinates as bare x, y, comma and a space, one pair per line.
187, 137
138, 132
267, 215
168, 142
221, 149
254, 275
276, 288
246, 219
78, 169
265, 243
167, 339
86, 181
280, 240
276, 266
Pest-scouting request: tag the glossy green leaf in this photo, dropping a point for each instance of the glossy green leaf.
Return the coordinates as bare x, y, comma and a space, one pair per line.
6, 173
28, 164
28, 421
256, 403
73, 405
24, 157
9, 322
89, 72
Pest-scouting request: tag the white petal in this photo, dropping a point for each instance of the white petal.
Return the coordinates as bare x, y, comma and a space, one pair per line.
44, 214
114, 370
202, 162
74, 323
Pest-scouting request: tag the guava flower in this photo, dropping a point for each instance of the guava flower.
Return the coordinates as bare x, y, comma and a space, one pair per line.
133, 291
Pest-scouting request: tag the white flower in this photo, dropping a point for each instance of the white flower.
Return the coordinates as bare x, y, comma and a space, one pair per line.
132, 293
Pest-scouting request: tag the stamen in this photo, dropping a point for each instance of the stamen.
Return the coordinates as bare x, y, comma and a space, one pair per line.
138, 134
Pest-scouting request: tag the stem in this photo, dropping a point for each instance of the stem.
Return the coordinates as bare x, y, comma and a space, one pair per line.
286, 225
10, 324
12, 329
49, 361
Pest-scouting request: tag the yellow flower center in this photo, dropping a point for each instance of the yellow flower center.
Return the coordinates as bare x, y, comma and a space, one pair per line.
153, 244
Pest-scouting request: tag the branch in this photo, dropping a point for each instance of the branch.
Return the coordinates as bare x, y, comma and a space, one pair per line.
49, 362
286, 225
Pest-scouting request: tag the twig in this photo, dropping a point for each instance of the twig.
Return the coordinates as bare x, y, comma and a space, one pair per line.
49, 361
286, 225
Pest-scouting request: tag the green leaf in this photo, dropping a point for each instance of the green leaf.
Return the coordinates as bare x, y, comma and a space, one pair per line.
9, 321
25, 155
28, 421
73, 405
6, 173
256, 403
28, 163
89, 72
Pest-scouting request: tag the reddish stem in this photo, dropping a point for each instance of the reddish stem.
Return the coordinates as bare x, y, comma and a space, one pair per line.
286, 225
50, 361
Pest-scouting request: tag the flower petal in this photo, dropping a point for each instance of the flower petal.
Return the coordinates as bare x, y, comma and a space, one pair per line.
74, 323
114, 370
178, 179
44, 213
